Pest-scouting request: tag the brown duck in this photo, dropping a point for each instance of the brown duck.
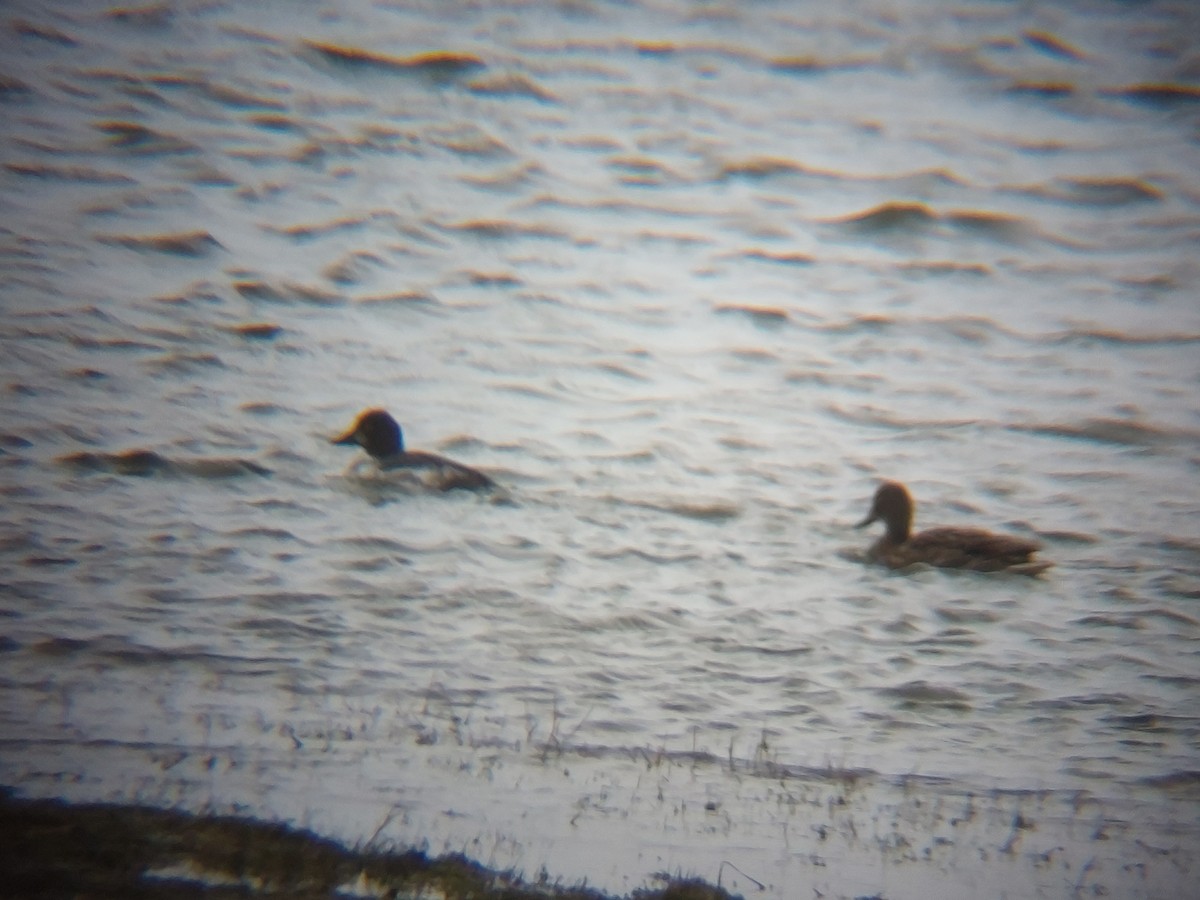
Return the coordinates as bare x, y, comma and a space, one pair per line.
379, 434
954, 548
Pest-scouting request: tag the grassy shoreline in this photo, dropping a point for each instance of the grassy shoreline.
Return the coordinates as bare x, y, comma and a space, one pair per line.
51, 848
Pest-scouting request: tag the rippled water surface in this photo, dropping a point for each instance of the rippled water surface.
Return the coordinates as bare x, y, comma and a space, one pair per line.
688, 280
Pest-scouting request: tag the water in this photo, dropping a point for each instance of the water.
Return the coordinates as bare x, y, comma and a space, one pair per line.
688, 280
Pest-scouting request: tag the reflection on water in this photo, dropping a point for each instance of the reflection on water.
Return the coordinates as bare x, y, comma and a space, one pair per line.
687, 282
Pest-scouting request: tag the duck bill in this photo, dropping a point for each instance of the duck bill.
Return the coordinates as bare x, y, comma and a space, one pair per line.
867, 521
350, 437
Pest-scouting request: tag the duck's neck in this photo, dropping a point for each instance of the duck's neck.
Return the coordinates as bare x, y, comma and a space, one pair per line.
899, 529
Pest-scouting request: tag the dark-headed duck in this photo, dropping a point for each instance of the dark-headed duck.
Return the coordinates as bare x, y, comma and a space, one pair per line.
379, 434
954, 548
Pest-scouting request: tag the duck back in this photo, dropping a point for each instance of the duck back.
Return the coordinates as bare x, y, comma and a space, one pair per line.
963, 548
445, 474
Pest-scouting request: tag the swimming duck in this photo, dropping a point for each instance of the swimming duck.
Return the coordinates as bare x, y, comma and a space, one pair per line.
379, 434
954, 548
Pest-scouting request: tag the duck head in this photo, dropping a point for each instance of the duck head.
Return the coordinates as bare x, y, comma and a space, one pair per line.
893, 505
376, 432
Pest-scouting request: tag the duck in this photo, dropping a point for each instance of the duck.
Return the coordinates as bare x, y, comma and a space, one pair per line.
381, 436
945, 547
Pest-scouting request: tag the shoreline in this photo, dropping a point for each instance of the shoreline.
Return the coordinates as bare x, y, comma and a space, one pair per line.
55, 848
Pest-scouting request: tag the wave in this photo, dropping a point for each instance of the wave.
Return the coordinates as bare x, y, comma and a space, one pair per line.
121, 649
152, 15
811, 64
12, 88
904, 217
640, 171
944, 267
1097, 192
264, 409
763, 316
1103, 336
287, 291
183, 363
124, 344
258, 331
502, 228
80, 174
761, 167
999, 225
494, 279
886, 418
416, 299
1183, 778
1159, 95
26, 29
145, 463
235, 98
275, 122
1052, 45
192, 244
715, 511
510, 85
353, 268
625, 553
437, 64
974, 329
467, 139
785, 259
305, 232
1107, 431
890, 216
143, 141
921, 693
511, 179
978, 329
1049, 89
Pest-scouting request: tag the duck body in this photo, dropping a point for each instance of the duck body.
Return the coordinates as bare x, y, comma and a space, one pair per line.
381, 436
945, 547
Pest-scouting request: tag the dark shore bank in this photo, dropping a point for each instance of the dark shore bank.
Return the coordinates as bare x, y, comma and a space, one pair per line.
54, 849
